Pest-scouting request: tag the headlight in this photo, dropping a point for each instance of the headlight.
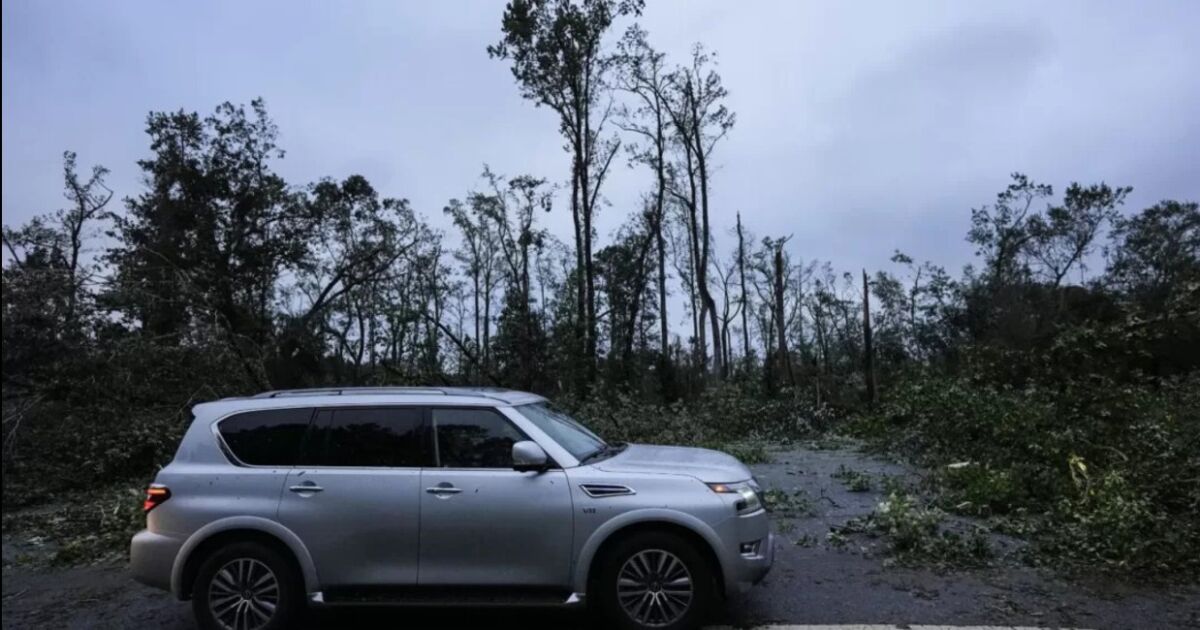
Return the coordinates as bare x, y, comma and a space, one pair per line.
747, 491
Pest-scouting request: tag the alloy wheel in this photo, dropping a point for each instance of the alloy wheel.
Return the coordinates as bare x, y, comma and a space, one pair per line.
654, 587
243, 595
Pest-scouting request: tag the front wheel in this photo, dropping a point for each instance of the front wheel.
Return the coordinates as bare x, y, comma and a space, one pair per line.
655, 580
246, 586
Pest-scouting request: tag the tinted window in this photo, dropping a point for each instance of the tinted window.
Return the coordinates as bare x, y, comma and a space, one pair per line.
370, 437
266, 438
474, 438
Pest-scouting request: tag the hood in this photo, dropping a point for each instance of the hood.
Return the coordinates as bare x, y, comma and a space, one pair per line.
704, 464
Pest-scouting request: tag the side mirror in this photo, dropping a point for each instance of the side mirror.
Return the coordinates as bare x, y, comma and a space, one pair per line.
527, 455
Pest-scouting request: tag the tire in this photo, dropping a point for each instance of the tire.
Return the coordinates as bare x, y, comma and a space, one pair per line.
240, 569
653, 598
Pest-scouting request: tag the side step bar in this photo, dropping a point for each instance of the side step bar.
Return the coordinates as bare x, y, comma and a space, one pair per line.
447, 596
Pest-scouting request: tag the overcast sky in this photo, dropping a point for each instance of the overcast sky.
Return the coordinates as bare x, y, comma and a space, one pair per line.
861, 127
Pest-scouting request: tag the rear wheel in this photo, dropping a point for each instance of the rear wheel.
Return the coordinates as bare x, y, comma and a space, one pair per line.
655, 580
246, 586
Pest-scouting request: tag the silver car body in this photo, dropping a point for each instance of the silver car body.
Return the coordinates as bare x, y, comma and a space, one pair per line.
392, 527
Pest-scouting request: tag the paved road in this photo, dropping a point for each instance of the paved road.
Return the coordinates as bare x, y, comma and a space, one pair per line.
812, 583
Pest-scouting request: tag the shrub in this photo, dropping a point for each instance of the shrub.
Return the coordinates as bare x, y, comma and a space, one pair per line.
720, 417
977, 489
1025, 453
110, 420
88, 527
1111, 522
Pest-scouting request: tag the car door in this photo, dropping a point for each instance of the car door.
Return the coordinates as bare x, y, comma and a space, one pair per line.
264, 444
483, 523
354, 499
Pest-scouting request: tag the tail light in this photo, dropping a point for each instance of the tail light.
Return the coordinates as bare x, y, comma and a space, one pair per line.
156, 495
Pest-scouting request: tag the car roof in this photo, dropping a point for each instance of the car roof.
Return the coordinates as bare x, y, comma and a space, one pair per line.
326, 396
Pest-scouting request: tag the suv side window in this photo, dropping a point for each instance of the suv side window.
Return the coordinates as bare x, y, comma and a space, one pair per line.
368, 437
474, 438
270, 437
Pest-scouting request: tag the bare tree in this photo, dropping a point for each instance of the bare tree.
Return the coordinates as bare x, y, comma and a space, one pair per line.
700, 120
558, 60
730, 307
88, 200
770, 262
60, 238
644, 77
481, 255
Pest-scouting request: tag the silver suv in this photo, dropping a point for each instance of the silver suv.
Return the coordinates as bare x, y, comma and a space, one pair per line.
428, 496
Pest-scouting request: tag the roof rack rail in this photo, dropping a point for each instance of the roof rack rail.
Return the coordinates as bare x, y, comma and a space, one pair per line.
345, 391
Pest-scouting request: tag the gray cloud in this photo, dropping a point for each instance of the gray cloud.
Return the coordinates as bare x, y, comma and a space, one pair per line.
862, 127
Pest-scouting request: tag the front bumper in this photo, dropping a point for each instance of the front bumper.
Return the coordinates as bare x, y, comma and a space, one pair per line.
749, 551
752, 568
152, 558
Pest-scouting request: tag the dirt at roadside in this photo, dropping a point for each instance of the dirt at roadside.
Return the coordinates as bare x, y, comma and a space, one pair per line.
813, 581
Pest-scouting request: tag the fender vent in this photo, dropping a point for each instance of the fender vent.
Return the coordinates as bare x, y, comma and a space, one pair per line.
602, 490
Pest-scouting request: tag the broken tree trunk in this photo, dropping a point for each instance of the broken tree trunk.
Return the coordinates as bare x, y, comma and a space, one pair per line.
781, 318
868, 349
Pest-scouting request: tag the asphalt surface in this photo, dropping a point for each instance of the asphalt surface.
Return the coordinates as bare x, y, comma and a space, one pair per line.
813, 581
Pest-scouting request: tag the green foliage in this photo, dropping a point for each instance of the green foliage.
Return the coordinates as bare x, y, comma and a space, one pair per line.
114, 422
788, 504
1156, 251
975, 489
836, 538
624, 271
916, 533
1112, 522
1094, 472
720, 416
1068, 413
213, 215
855, 480
83, 527
748, 452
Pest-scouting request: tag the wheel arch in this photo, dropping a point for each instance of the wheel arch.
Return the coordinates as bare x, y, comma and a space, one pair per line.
683, 525
238, 529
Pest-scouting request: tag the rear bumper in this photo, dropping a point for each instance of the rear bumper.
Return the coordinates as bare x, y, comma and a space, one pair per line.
152, 558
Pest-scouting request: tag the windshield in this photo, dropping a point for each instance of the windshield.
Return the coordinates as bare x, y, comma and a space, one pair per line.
568, 432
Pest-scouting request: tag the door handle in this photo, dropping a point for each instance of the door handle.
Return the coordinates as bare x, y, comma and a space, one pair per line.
307, 486
440, 490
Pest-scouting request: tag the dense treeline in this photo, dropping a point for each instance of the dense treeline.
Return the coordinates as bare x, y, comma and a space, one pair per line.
1062, 368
